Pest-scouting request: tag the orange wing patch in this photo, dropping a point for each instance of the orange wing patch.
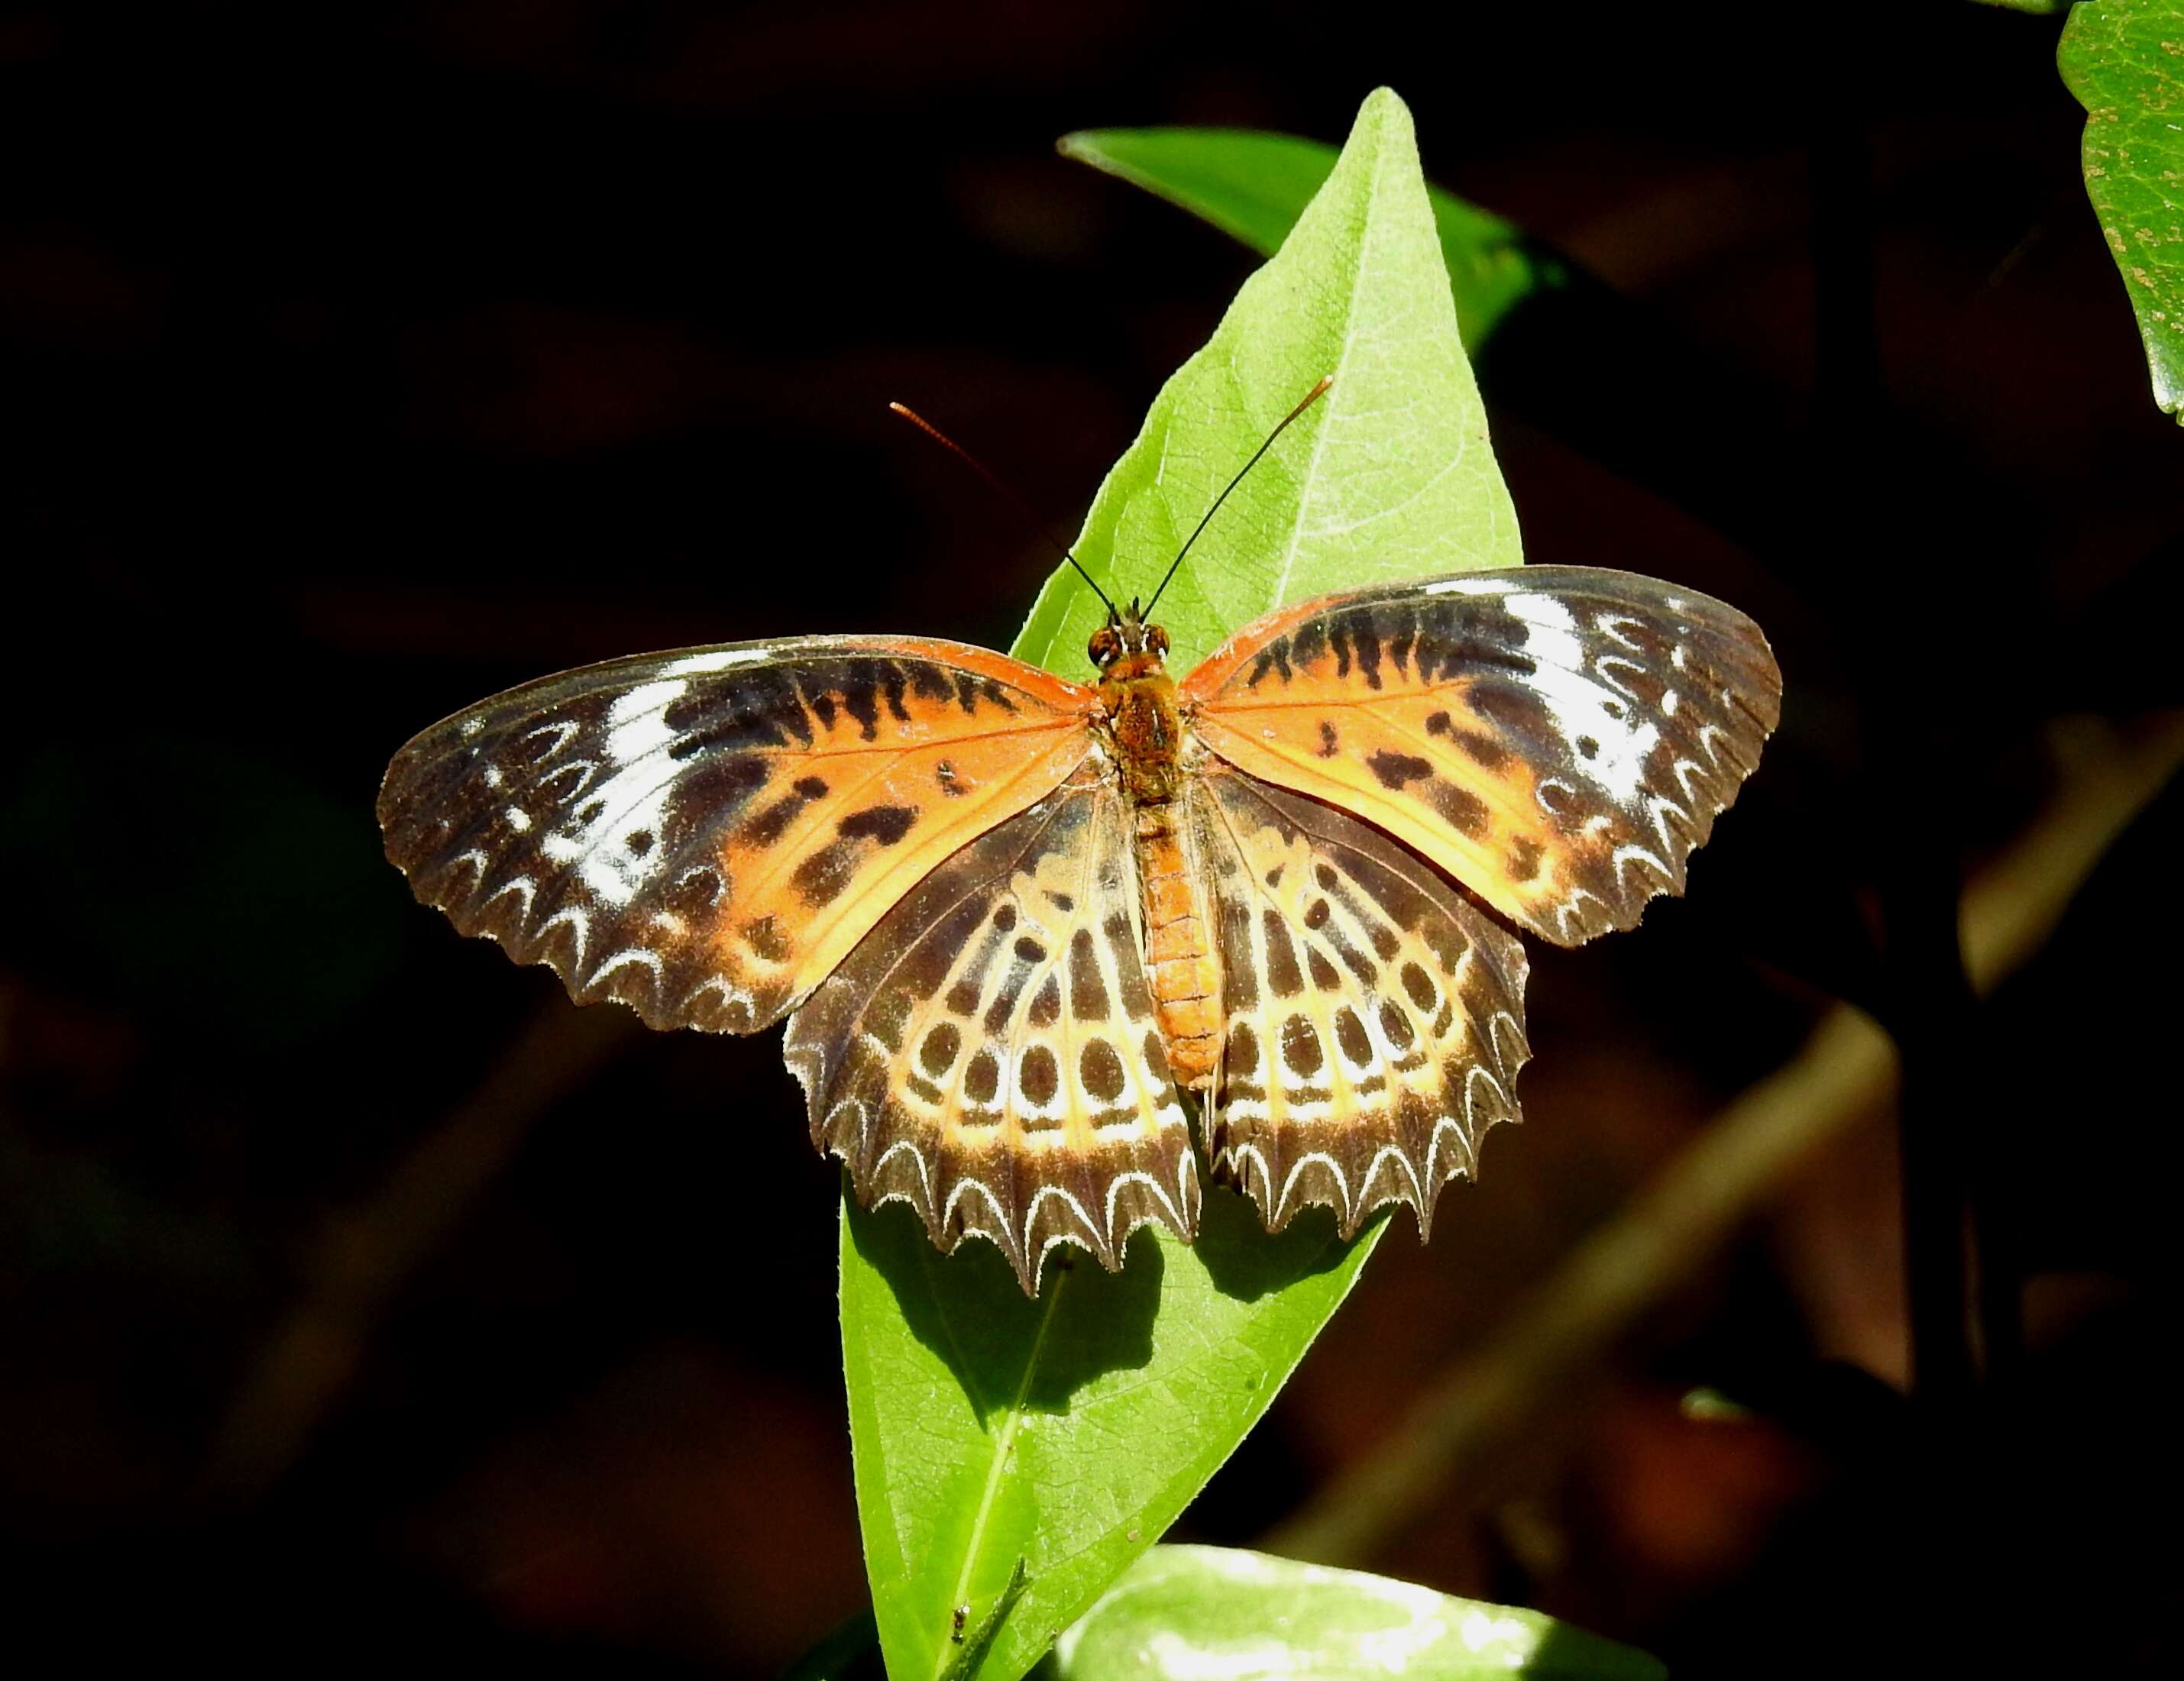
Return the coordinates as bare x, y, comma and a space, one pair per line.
705, 835
1559, 739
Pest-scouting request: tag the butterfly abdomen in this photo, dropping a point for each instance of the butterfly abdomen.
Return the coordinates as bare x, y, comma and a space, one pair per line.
1184, 977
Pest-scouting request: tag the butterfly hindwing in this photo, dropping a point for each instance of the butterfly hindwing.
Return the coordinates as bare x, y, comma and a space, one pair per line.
1374, 1017
1557, 738
987, 1053
705, 834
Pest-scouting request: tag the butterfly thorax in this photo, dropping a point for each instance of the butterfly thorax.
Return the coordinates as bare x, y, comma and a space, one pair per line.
1145, 727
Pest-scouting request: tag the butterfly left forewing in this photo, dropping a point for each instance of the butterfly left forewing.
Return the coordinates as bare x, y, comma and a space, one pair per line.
705, 834
989, 1053
1557, 738
1374, 1018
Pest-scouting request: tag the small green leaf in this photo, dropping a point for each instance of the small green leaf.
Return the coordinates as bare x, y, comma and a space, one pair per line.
1253, 187
2123, 59
1183, 1613
1069, 1432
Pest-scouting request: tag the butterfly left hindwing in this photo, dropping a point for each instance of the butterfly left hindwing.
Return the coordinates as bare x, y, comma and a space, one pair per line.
989, 1055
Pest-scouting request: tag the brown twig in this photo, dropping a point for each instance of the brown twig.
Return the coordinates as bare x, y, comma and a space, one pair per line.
1846, 1069
364, 1258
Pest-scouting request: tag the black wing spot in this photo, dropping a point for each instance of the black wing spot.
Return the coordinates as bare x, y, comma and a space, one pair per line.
1088, 994
1101, 1071
819, 879
886, 824
1462, 809
939, 1049
1395, 769
1283, 975
1300, 1047
1038, 1076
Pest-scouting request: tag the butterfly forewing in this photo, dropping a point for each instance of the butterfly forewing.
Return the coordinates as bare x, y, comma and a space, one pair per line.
1374, 1017
988, 1053
1557, 738
705, 834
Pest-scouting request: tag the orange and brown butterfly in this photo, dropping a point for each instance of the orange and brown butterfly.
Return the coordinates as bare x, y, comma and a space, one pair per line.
1009, 916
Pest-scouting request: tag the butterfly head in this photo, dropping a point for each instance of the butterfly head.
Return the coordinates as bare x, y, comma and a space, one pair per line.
1126, 635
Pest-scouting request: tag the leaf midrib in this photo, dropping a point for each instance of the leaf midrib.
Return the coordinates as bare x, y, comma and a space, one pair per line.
974, 1543
1325, 430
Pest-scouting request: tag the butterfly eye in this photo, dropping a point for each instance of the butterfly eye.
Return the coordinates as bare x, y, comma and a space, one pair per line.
1156, 641
1106, 647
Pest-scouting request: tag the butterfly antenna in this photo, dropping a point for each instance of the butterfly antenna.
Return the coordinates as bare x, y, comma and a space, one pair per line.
1008, 495
1310, 397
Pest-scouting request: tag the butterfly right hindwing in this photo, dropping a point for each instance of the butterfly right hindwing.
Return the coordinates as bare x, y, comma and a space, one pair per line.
1375, 1018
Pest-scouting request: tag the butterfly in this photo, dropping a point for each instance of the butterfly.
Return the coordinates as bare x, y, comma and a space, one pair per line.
1011, 917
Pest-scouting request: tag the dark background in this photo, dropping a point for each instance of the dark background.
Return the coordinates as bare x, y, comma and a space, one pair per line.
361, 1301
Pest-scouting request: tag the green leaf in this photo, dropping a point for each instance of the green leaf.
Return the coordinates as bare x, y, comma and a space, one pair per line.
2123, 59
1183, 1613
1253, 187
1068, 1432
1389, 475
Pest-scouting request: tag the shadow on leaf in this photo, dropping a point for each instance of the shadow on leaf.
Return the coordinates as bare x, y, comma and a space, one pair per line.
1006, 1350
1247, 1262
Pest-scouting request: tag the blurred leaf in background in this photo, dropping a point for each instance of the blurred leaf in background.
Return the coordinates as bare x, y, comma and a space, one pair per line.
1253, 187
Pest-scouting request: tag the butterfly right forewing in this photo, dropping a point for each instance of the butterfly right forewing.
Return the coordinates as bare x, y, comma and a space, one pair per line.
1558, 738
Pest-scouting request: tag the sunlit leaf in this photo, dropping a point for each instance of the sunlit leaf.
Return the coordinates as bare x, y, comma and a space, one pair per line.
2124, 61
1185, 1613
1253, 187
1389, 476
1068, 1432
